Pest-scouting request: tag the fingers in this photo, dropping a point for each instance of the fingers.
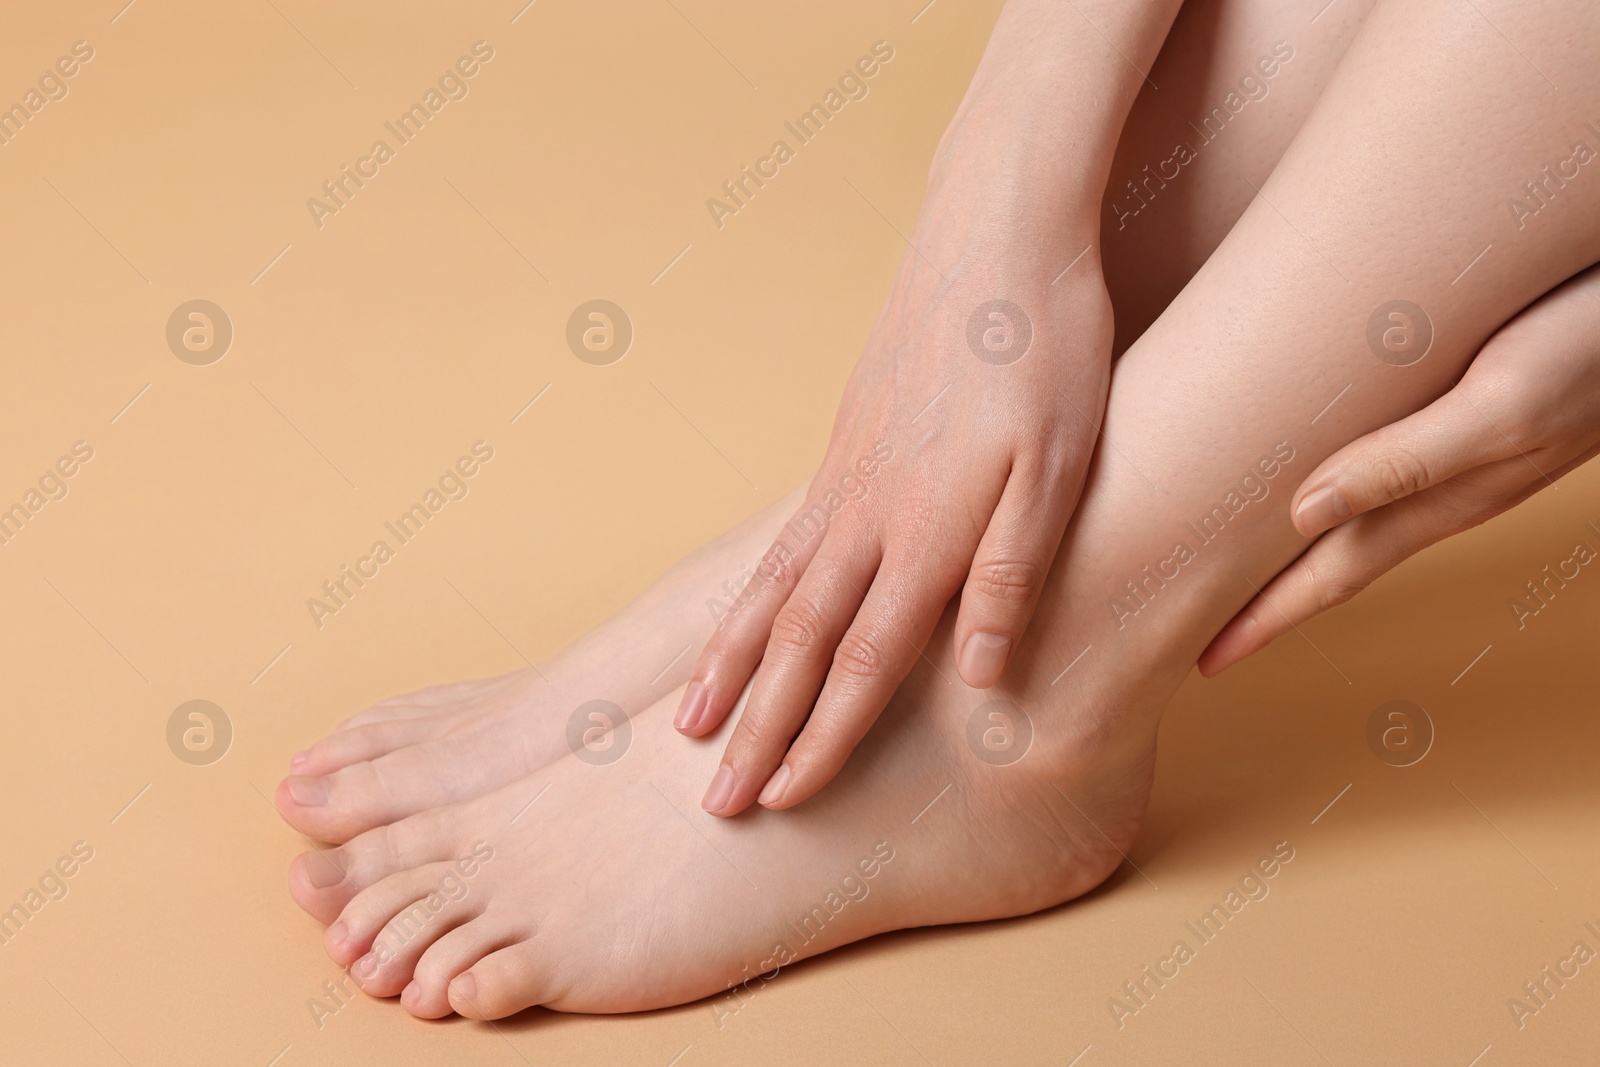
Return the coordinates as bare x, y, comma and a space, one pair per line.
1331, 571
1435, 444
874, 657
730, 657
1347, 559
805, 633
1009, 570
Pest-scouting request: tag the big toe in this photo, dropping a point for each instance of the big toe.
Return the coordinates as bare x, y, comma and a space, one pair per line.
352, 800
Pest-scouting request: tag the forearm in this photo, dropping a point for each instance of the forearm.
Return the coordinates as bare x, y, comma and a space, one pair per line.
1028, 153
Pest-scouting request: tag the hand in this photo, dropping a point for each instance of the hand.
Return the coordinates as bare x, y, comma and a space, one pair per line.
1526, 412
966, 429
948, 471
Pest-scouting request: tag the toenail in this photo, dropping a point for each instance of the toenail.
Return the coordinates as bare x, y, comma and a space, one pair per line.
411, 993
983, 659
721, 789
365, 967
322, 870
691, 708
777, 785
338, 933
464, 987
298, 760
308, 792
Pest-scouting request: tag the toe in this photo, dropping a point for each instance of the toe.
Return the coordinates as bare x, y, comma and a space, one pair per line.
356, 799
387, 968
371, 909
324, 882
502, 983
357, 743
318, 883
426, 997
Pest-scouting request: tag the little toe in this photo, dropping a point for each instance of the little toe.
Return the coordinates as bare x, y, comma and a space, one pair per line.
427, 996
503, 983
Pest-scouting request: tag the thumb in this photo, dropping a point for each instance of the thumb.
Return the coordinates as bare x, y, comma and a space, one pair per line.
1421, 450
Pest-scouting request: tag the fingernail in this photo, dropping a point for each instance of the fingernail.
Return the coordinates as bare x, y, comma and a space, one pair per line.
776, 785
411, 993
691, 707
464, 987
1321, 510
721, 789
322, 870
983, 659
308, 792
298, 760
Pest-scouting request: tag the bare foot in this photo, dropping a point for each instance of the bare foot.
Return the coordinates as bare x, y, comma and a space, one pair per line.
605, 888
453, 742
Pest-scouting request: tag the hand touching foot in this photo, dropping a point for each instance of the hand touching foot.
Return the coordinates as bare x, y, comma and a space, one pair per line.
605, 888
964, 436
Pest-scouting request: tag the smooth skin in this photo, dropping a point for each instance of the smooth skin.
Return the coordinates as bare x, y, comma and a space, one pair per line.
1526, 413
967, 427
598, 898
454, 742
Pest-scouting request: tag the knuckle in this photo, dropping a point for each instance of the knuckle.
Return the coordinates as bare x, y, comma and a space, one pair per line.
1330, 585
1399, 474
751, 736
1008, 581
860, 656
798, 627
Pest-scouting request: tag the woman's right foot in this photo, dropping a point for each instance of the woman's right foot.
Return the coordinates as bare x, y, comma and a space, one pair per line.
453, 742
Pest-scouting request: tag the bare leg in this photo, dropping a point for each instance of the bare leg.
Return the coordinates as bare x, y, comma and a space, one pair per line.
606, 889
454, 742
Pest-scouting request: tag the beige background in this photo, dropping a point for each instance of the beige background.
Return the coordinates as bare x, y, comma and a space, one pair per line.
373, 351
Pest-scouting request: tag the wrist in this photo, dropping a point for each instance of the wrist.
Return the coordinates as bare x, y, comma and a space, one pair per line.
1031, 143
